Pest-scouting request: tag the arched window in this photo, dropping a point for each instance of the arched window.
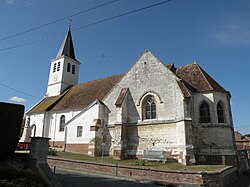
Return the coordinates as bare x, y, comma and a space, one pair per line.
54, 68
58, 66
62, 123
220, 112
204, 112
73, 69
149, 108
68, 67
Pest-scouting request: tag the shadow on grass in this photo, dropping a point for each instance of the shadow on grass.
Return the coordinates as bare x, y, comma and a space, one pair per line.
9, 178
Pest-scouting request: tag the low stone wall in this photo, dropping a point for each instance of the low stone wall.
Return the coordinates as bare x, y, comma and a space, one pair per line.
208, 179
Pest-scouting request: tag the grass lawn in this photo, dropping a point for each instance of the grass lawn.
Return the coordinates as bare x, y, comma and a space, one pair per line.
136, 162
9, 178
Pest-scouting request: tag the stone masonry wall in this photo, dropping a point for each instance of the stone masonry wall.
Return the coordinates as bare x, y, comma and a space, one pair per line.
148, 75
142, 137
213, 140
212, 98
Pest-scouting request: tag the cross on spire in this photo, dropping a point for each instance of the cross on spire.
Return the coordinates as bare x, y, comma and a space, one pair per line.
70, 21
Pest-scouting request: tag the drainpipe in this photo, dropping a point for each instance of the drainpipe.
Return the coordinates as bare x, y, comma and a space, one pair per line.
65, 138
54, 136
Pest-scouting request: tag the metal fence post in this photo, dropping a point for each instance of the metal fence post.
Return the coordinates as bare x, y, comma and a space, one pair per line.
116, 169
54, 170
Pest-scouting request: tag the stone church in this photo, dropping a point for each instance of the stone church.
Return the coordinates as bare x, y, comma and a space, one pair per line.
153, 106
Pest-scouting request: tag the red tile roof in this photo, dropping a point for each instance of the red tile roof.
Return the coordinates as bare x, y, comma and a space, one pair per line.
197, 78
240, 138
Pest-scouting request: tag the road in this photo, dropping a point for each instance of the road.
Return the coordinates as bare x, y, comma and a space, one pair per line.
78, 179
243, 181
69, 178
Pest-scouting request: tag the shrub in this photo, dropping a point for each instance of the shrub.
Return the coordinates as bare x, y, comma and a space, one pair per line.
52, 152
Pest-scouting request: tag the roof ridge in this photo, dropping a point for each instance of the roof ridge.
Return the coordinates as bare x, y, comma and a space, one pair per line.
202, 72
198, 78
206, 75
184, 65
100, 79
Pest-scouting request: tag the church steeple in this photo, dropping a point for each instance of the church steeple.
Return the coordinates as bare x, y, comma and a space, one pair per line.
64, 69
67, 47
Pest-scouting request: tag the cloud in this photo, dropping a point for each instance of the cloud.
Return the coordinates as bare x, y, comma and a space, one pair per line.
10, 1
17, 99
23, 2
237, 33
28, 2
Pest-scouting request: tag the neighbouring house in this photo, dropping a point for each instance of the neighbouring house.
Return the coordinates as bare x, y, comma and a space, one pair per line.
242, 142
180, 110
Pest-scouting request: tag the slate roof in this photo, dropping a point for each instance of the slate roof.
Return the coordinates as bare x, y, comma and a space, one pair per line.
192, 79
67, 47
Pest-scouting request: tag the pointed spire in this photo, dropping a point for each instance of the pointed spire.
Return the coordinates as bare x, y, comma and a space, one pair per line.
67, 47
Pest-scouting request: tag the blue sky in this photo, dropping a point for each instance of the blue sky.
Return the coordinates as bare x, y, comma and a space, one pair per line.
214, 33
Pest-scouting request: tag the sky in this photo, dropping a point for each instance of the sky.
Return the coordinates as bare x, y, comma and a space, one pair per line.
215, 33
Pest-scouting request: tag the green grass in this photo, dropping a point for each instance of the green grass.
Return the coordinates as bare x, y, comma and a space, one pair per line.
136, 162
10, 178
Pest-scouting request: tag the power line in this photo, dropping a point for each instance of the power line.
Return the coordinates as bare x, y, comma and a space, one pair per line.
88, 25
123, 14
58, 20
22, 92
77, 5
32, 42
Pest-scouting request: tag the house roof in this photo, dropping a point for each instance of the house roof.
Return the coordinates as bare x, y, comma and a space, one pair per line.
67, 47
240, 138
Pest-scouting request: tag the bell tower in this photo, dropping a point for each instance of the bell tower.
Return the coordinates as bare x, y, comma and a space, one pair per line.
64, 69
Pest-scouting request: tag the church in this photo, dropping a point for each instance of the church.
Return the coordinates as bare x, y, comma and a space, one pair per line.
182, 111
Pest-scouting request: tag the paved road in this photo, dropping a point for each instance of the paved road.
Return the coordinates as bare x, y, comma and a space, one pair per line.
243, 181
70, 178
78, 179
